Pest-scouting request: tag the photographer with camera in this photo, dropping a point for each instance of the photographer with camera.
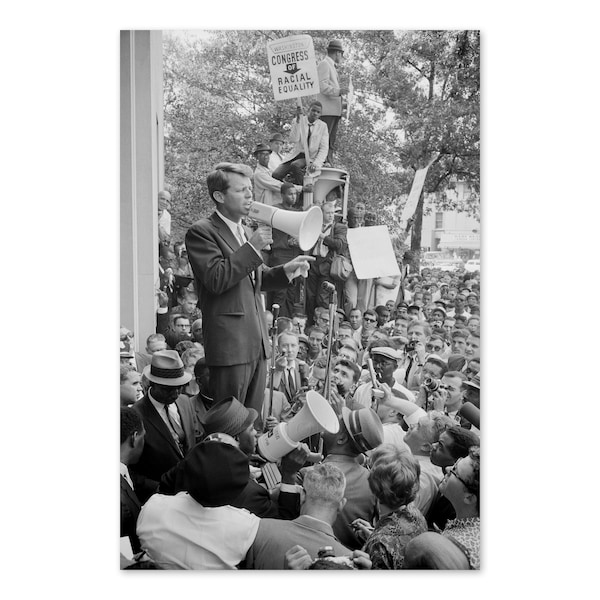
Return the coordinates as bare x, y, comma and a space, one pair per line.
429, 396
415, 354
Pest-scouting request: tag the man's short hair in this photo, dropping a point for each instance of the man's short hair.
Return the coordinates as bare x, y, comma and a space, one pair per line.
199, 367
288, 333
457, 375
130, 423
218, 180
423, 324
183, 345
285, 186
179, 316
439, 362
315, 103
460, 333
124, 370
191, 356
155, 337
369, 311
462, 440
344, 362
394, 476
324, 484
474, 334
317, 329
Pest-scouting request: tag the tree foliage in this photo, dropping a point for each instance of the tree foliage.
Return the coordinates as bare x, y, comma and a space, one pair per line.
416, 94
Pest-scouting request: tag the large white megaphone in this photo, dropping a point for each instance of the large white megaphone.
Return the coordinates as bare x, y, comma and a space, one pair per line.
315, 416
306, 225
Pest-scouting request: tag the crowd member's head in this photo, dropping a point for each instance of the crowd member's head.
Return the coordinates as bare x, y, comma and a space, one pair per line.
360, 431
418, 331
197, 331
284, 324
187, 301
453, 443
473, 367
369, 319
315, 340
230, 188
472, 390
472, 347
345, 375
394, 477
202, 376
383, 315
131, 386
348, 351
420, 436
448, 327
437, 317
155, 342
385, 361
460, 321
276, 142
473, 324
321, 318
328, 210
459, 341
434, 367
370, 219
182, 326
167, 376
302, 347
288, 345
288, 194
436, 344
376, 337
461, 484
355, 318
400, 327
132, 436
324, 486
433, 551
344, 331
452, 384
314, 111
190, 357
402, 310
414, 311
262, 153
231, 417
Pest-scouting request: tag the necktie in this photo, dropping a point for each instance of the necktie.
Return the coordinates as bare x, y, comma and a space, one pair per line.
410, 364
292, 382
177, 431
309, 134
240, 235
323, 249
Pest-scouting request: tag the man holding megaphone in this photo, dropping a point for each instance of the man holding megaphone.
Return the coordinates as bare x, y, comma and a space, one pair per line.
229, 275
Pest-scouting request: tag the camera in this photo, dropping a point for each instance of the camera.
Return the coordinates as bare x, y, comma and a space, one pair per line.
411, 346
430, 384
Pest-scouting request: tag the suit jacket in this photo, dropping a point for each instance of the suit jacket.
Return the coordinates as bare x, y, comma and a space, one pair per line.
234, 325
281, 381
274, 538
336, 242
130, 509
318, 145
329, 85
160, 449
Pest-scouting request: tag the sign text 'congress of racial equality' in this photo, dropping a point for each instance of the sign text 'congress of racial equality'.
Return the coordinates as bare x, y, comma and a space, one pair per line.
293, 67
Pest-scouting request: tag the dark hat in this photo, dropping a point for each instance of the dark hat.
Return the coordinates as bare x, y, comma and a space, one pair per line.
276, 137
475, 382
215, 474
414, 306
166, 368
439, 309
262, 148
228, 416
335, 45
403, 304
364, 427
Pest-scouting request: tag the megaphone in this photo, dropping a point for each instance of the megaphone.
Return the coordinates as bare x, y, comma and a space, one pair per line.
306, 225
315, 416
471, 413
328, 179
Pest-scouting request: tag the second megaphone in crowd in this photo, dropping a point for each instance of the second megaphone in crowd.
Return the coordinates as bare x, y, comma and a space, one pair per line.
305, 225
315, 416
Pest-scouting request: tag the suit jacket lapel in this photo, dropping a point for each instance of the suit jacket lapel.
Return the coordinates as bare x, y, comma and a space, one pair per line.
186, 423
225, 232
131, 495
155, 419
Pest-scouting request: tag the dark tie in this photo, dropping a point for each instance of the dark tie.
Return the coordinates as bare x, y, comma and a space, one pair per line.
309, 134
291, 383
410, 364
177, 431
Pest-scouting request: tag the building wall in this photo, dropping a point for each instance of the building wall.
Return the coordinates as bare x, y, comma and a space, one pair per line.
141, 178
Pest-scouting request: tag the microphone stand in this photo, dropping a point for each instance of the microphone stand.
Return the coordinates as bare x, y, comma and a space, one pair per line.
273, 334
332, 333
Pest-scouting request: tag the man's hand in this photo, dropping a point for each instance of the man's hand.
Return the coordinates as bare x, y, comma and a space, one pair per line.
292, 462
361, 560
438, 400
262, 237
297, 558
421, 352
362, 529
299, 113
280, 363
270, 423
312, 168
298, 266
292, 242
163, 299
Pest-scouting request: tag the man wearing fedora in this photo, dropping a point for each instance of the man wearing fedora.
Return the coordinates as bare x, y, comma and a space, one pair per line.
267, 189
168, 419
230, 275
331, 92
198, 528
276, 145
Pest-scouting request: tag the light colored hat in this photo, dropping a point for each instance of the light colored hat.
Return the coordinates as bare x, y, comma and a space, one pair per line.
166, 368
387, 352
364, 427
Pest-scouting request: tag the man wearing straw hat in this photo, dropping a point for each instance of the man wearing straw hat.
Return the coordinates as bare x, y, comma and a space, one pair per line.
168, 419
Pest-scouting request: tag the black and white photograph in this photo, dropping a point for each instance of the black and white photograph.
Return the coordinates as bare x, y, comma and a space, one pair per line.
300, 299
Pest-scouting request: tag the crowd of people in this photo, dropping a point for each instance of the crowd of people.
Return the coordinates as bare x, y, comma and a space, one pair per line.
248, 325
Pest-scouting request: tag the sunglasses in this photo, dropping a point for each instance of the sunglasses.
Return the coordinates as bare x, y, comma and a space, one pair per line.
433, 348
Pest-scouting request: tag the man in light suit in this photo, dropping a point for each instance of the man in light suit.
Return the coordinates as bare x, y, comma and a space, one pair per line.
331, 92
228, 269
308, 132
168, 419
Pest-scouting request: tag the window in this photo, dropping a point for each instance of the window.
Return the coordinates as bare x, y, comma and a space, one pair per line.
439, 220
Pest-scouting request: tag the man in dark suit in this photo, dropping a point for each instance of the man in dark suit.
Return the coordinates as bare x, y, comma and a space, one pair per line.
132, 445
168, 420
332, 239
228, 268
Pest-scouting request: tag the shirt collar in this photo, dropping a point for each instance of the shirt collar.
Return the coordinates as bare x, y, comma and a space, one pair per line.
233, 226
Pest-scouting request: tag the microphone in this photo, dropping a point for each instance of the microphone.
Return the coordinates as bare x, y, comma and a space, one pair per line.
275, 311
328, 287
